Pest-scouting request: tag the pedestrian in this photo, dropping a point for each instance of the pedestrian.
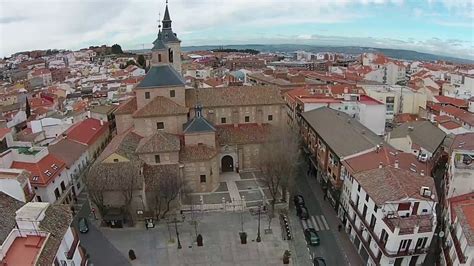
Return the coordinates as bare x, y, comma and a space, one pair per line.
339, 227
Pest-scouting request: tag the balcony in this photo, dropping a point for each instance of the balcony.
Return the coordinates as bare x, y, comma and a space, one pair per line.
74, 245
375, 258
457, 246
407, 224
381, 244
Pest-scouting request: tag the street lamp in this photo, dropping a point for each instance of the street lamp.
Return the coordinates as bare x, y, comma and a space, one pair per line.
259, 239
177, 233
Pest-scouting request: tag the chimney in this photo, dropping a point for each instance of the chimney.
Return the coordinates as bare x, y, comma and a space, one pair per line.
380, 165
422, 173
396, 163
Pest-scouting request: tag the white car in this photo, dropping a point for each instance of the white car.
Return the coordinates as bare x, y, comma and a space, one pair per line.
423, 157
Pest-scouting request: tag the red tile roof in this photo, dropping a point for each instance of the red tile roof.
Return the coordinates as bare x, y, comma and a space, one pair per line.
450, 125
460, 114
87, 131
42, 172
386, 156
4, 132
40, 102
127, 107
452, 101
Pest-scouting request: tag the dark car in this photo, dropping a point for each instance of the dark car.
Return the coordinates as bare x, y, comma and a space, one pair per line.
303, 213
319, 261
298, 200
311, 236
83, 225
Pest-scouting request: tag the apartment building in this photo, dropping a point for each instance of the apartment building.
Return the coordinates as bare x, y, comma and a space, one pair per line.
38, 233
325, 133
16, 184
391, 215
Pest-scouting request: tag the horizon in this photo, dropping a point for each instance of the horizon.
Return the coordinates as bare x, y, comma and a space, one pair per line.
435, 27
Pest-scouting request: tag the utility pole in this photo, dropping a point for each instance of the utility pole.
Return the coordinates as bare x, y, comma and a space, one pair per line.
177, 233
259, 239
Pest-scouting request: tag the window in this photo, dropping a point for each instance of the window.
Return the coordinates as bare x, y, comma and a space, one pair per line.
367, 197
159, 57
115, 160
157, 158
384, 237
364, 212
358, 188
270, 117
375, 208
404, 245
63, 186
160, 125
247, 119
147, 95
56, 193
373, 220
38, 198
202, 178
404, 206
421, 242
172, 93
223, 120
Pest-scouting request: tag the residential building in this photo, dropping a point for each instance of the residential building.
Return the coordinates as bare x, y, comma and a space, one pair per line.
49, 177
459, 179
325, 133
91, 132
391, 217
421, 138
39, 233
16, 184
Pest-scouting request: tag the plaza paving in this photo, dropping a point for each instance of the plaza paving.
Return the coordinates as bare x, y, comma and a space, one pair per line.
222, 245
232, 192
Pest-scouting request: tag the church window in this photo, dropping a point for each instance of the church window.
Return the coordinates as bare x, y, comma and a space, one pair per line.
160, 125
147, 95
172, 93
170, 54
159, 57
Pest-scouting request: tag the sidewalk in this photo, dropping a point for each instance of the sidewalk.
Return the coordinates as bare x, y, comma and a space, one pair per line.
342, 239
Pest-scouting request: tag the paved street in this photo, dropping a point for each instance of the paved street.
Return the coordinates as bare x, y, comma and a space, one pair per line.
220, 233
335, 246
101, 251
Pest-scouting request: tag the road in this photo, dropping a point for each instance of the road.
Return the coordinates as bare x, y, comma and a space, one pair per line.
100, 250
324, 220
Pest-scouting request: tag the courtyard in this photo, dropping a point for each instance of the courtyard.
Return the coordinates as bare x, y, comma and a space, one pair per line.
220, 232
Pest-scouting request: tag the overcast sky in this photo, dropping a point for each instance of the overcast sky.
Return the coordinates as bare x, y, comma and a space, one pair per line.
437, 26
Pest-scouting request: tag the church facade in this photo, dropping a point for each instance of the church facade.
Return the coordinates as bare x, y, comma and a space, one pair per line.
195, 134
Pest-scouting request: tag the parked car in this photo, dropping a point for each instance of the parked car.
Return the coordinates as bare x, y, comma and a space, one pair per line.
311, 236
298, 200
83, 225
303, 214
319, 261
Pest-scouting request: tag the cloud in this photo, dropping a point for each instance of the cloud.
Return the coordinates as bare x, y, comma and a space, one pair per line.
73, 24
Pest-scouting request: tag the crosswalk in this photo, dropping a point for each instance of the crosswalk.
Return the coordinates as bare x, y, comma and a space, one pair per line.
319, 223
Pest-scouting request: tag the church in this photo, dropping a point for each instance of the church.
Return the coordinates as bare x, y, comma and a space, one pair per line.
191, 134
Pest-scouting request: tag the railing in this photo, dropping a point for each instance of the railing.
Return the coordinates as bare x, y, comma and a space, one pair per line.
72, 249
447, 258
457, 247
375, 258
387, 253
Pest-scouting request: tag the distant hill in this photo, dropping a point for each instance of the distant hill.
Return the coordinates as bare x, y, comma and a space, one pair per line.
393, 53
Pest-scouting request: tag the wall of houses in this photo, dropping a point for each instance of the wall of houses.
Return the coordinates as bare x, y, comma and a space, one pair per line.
124, 122
208, 138
148, 126
194, 170
165, 158
47, 192
238, 114
179, 97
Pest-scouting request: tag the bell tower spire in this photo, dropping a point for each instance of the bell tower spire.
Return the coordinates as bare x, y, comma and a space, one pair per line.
166, 18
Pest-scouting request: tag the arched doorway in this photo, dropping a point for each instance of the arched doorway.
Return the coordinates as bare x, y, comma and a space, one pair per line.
227, 164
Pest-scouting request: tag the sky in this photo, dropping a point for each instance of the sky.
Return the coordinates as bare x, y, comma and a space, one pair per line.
444, 27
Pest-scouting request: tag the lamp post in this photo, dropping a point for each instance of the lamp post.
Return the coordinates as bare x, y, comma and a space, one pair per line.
259, 239
177, 233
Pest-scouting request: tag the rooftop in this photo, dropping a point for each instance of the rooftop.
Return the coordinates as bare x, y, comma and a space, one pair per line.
161, 76
160, 106
422, 133
8, 208
335, 128
42, 172
390, 184
159, 142
87, 131
234, 96
24, 251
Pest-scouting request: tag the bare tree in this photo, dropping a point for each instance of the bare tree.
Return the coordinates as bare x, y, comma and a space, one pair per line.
278, 161
96, 188
164, 184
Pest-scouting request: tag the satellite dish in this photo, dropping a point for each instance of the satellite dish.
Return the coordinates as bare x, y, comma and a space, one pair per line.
441, 234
